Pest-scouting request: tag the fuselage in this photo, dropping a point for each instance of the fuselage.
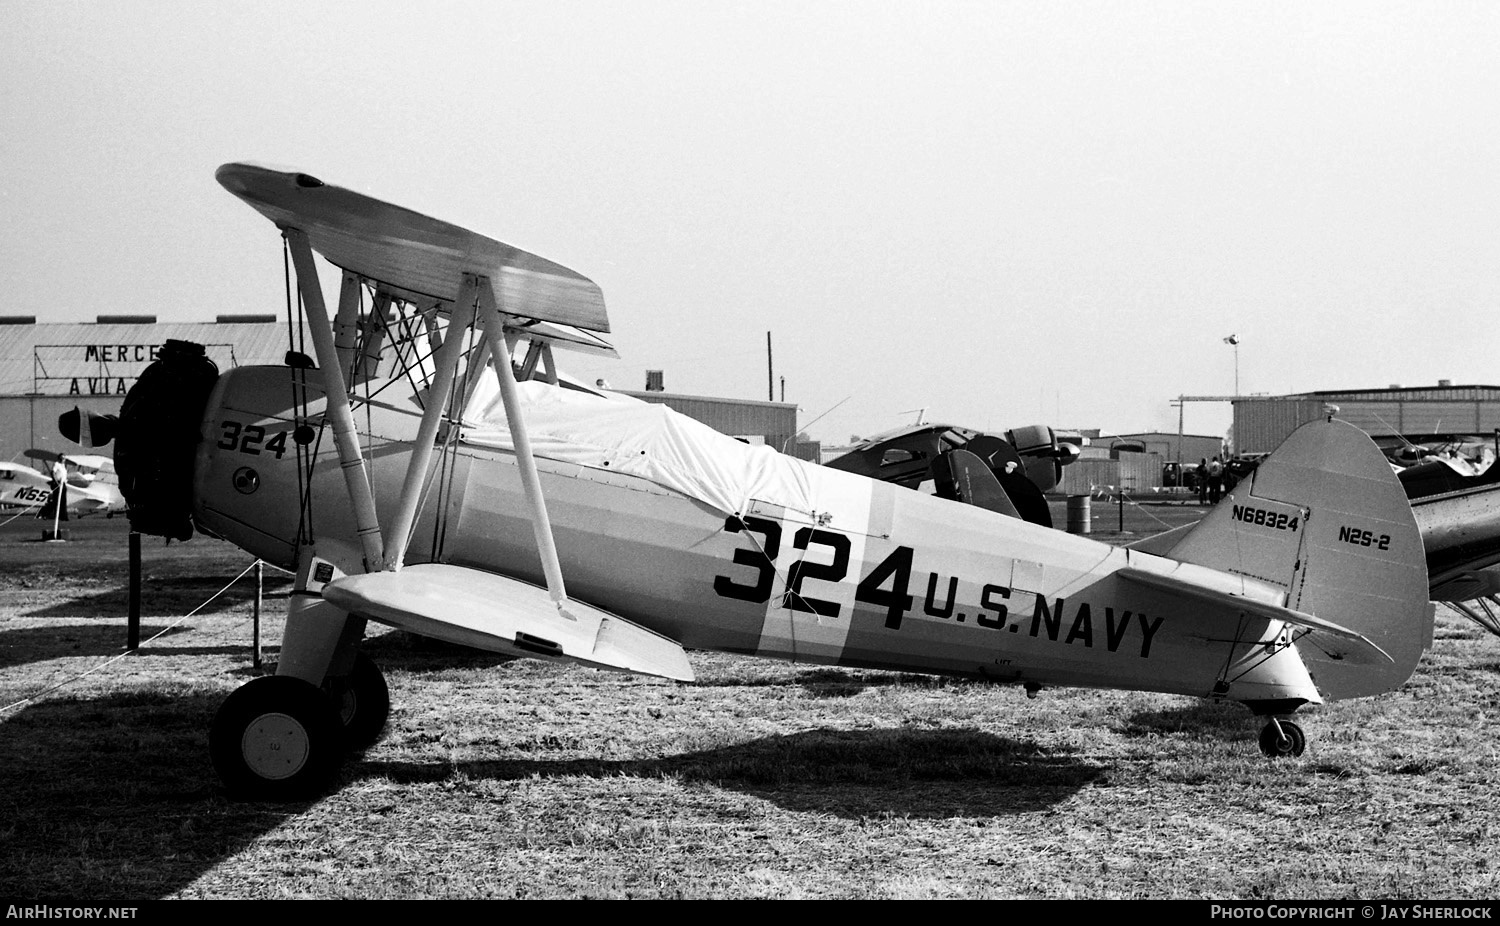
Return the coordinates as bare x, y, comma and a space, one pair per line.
879, 576
81, 500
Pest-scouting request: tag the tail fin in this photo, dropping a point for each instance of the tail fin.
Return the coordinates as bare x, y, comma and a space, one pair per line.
1325, 518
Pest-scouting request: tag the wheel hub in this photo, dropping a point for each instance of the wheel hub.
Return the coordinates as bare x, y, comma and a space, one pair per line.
275, 746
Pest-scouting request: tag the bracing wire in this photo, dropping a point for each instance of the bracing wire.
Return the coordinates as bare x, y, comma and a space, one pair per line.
448, 462
299, 406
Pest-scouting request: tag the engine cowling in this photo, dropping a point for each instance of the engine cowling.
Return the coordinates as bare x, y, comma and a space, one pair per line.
157, 438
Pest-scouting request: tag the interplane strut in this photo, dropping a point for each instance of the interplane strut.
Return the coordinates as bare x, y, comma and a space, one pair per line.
346, 439
386, 550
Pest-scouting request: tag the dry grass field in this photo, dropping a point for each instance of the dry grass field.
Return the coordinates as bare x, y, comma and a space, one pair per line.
762, 780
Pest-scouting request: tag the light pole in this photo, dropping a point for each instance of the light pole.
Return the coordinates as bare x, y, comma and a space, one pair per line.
1234, 341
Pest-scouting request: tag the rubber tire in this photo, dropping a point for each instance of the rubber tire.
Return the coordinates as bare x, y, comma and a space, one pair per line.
281, 714
1291, 742
363, 702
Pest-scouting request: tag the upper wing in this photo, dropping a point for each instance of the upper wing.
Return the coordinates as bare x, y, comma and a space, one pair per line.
46, 456
414, 253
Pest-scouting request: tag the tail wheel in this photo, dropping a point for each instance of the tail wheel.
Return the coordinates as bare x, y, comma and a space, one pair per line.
363, 702
276, 738
1282, 738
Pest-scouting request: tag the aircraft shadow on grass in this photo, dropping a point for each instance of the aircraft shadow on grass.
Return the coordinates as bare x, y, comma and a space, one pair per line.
114, 813
108, 820
1206, 721
851, 773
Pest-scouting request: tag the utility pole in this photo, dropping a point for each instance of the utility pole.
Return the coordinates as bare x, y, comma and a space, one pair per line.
770, 378
1180, 406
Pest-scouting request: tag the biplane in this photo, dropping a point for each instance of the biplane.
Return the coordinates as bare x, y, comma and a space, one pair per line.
428, 468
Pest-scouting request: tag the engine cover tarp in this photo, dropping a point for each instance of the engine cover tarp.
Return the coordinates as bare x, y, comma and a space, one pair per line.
622, 434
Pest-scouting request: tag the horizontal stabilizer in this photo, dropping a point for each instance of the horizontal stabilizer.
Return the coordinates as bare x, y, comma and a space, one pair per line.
1337, 642
503, 615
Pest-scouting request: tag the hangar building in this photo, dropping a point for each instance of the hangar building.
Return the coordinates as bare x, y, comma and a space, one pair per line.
1261, 423
50, 368
1171, 447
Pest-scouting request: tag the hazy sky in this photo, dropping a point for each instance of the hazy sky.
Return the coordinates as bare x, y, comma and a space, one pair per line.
1003, 213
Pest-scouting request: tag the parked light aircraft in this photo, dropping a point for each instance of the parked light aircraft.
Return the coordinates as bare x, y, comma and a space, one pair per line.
1027, 462
490, 506
1458, 515
26, 489
22, 487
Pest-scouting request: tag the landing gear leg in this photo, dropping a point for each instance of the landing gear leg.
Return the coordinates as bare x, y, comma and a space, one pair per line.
321, 646
283, 737
1282, 738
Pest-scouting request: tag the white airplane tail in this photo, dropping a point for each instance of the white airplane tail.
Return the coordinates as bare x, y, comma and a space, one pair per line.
1325, 518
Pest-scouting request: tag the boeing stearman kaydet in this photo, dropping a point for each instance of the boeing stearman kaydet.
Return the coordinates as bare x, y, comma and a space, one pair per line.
430, 468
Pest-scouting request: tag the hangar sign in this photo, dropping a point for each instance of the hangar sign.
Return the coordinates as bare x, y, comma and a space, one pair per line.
101, 369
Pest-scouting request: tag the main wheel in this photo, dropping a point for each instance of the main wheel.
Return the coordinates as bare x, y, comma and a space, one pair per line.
363, 702
276, 738
1282, 738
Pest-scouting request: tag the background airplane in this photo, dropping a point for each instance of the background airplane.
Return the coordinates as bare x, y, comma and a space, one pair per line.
22, 487
1027, 461
1458, 513
91, 485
